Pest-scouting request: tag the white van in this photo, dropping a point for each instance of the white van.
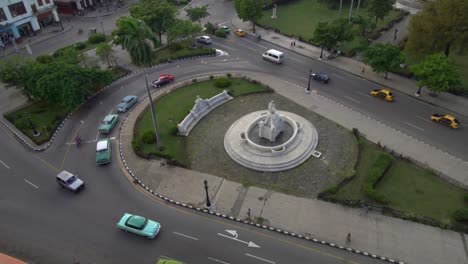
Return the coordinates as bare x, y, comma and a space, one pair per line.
274, 56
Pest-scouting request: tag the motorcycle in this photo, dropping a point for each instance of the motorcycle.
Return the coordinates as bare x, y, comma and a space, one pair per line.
78, 140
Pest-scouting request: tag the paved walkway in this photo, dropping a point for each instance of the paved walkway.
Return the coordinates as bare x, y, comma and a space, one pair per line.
371, 232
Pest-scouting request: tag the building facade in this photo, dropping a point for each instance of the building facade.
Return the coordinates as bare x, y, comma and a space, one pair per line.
73, 7
23, 18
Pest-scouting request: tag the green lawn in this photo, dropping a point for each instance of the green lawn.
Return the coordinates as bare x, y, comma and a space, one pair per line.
409, 188
179, 51
44, 118
173, 107
301, 17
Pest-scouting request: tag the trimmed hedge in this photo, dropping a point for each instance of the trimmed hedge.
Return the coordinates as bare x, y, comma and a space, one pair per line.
222, 82
461, 215
148, 137
375, 174
97, 38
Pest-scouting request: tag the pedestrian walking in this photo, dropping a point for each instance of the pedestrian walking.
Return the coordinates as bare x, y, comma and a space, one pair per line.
248, 213
291, 46
348, 238
294, 43
367, 209
395, 34
363, 70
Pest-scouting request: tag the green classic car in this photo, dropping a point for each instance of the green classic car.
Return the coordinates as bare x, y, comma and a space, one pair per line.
139, 225
108, 123
103, 151
168, 261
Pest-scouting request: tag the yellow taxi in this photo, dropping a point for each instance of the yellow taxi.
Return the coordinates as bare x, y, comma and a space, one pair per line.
446, 120
239, 32
384, 94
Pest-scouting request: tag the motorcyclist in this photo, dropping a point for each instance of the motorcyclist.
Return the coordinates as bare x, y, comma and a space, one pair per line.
78, 139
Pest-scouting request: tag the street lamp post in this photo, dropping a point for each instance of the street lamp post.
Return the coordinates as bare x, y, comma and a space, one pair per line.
153, 115
35, 132
102, 26
208, 203
308, 84
418, 93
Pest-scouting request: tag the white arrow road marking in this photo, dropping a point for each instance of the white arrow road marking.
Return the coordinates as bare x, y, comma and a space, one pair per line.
82, 122
409, 124
259, 258
4, 164
219, 261
232, 232
352, 99
32, 184
180, 234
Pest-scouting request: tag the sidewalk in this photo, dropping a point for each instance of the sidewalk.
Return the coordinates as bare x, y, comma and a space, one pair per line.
447, 101
381, 235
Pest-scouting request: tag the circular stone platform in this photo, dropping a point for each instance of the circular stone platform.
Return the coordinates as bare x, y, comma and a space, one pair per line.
286, 155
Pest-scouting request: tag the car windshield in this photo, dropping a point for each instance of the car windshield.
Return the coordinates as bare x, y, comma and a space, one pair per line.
125, 101
71, 180
137, 222
389, 93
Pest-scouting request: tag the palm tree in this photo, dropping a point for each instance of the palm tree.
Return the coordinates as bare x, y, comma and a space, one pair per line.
137, 38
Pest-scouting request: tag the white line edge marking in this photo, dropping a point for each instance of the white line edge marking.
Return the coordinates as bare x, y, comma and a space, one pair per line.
180, 234
217, 260
4, 164
259, 258
424, 119
361, 93
352, 99
32, 184
414, 126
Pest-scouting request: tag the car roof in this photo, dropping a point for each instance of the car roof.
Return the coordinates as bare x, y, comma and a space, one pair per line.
385, 90
204, 36
109, 117
239, 30
136, 220
102, 145
65, 175
128, 97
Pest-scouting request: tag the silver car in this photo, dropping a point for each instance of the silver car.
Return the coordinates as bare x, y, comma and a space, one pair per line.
204, 39
127, 103
69, 181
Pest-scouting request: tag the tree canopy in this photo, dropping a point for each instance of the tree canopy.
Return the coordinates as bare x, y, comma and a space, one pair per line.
442, 24
135, 37
383, 57
437, 73
250, 10
197, 13
104, 51
380, 8
183, 28
329, 34
158, 15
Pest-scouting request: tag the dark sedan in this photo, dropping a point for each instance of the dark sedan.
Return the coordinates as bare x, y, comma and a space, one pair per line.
321, 77
163, 80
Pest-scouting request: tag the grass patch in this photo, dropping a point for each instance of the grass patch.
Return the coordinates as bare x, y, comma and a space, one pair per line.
89, 46
169, 116
408, 188
45, 119
180, 50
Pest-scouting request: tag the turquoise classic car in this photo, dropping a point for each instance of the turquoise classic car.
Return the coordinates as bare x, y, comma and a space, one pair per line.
108, 123
103, 151
139, 225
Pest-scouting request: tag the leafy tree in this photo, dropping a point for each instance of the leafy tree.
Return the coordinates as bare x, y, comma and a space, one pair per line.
182, 29
437, 73
18, 73
362, 23
440, 26
158, 15
250, 10
135, 37
383, 58
197, 13
104, 51
380, 8
328, 35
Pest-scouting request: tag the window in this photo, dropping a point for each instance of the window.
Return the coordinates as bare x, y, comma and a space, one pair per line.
47, 1
17, 9
2, 15
39, 3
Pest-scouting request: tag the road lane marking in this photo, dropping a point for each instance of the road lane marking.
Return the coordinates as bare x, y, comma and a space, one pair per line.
364, 94
409, 124
180, 234
424, 119
32, 184
234, 233
347, 97
4, 164
219, 261
295, 59
259, 258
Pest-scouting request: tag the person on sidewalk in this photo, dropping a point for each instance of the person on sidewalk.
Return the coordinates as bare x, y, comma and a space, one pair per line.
348, 238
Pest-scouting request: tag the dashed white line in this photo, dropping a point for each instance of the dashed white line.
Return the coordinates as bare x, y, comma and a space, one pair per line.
409, 124
259, 258
219, 261
364, 94
347, 97
424, 119
32, 184
180, 234
4, 164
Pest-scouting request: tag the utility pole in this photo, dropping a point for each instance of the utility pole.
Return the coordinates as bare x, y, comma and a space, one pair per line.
153, 114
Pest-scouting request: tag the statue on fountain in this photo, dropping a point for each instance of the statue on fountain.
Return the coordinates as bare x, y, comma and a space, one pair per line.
272, 125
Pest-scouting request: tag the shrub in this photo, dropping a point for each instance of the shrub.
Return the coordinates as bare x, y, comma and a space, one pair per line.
356, 132
375, 174
211, 77
194, 80
97, 38
229, 75
461, 215
220, 34
44, 58
465, 197
173, 130
222, 83
176, 46
332, 189
210, 28
148, 137
136, 145
80, 45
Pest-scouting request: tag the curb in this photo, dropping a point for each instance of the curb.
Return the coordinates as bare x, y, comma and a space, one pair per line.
137, 181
